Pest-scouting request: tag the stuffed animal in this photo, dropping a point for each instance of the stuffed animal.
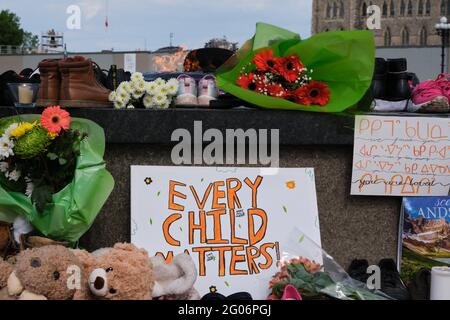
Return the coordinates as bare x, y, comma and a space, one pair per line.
123, 272
43, 273
175, 281
5, 271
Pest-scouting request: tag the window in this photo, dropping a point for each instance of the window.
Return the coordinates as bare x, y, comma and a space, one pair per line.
328, 13
423, 37
364, 9
335, 9
341, 9
428, 8
385, 9
443, 11
402, 8
420, 9
392, 8
410, 8
405, 37
387, 38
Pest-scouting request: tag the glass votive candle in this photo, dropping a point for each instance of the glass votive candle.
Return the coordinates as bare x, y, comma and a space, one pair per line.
24, 94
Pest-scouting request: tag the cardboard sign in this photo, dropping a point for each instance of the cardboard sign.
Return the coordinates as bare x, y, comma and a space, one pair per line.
129, 62
234, 222
401, 156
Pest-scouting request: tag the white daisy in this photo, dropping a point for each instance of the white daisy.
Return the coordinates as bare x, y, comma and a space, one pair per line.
160, 82
8, 131
112, 96
172, 86
14, 175
130, 106
124, 86
151, 88
137, 94
148, 101
123, 95
166, 105
163, 90
119, 104
137, 76
160, 100
6, 147
141, 85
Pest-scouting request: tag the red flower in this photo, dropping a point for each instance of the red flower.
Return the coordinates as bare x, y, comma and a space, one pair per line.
276, 90
265, 61
290, 67
247, 81
54, 119
318, 93
300, 96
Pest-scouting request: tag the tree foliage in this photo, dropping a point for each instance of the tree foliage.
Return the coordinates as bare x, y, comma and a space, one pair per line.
12, 33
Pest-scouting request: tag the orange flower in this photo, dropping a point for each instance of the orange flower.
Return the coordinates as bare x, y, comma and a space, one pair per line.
265, 61
55, 119
291, 185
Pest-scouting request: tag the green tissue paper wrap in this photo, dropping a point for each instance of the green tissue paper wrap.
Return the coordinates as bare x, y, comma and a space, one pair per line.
344, 60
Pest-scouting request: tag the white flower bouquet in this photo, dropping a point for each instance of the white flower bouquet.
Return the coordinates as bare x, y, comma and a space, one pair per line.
156, 94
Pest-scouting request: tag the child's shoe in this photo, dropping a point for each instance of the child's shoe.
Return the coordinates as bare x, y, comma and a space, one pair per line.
207, 90
187, 91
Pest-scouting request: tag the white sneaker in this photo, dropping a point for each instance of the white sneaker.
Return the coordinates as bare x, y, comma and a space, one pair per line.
207, 90
187, 91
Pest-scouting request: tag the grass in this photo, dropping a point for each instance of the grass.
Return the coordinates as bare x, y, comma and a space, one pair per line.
413, 262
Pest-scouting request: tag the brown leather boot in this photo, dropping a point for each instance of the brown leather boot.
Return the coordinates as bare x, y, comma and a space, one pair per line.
48, 94
79, 85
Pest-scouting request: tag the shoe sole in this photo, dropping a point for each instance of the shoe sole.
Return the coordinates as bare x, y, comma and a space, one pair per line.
438, 105
84, 104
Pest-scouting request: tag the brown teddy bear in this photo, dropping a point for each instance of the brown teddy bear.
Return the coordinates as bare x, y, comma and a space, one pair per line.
5, 271
43, 273
123, 272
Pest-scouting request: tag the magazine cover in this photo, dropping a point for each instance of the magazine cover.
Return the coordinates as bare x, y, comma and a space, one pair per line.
424, 234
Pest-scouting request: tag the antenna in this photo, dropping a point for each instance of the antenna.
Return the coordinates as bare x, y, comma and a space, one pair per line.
171, 39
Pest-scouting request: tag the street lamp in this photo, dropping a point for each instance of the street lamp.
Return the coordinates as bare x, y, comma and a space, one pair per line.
443, 29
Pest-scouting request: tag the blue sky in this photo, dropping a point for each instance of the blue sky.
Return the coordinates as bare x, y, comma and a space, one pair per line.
147, 24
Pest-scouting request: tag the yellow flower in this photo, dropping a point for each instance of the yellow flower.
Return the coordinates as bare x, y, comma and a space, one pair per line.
23, 129
53, 135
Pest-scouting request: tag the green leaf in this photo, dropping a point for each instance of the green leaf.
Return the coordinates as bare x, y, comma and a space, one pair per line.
285, 209
151, 221
41, 196
62, 161
302, 238
227, 284
158, 194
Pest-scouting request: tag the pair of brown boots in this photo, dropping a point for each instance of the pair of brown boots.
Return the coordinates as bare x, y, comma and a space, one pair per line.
72, 83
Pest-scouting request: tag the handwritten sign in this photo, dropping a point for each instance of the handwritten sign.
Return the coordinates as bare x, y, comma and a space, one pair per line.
234, 222
401, 156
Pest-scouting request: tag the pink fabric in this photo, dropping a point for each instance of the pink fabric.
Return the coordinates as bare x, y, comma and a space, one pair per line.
291, 293
443, 82
428, 91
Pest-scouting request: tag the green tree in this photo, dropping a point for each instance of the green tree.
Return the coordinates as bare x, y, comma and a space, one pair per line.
11, 32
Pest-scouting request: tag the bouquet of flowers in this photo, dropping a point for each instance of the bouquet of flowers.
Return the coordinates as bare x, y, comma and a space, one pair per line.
52, 172
155, 94
329, 72
284, 78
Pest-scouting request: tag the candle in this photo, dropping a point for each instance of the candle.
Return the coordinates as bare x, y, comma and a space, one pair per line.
25, 94
440, 283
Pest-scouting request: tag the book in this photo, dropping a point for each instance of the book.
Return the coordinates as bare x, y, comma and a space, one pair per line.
424, 235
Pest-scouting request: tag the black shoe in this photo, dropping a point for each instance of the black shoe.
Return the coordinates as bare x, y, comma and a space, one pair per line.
398, 88
6, 99
116, 77
240, 296
391, 283
379, 82
420, 287
358, 270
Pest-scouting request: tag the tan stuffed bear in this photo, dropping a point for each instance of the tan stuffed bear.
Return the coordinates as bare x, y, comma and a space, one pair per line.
43, 273
123, 272
175, 281
5, 271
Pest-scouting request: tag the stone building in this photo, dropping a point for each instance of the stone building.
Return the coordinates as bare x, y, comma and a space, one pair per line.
404, 23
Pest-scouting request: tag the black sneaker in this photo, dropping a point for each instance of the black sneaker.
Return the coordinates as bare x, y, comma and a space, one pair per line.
379, 82
358, 270
398, 88
420, 286
391, 283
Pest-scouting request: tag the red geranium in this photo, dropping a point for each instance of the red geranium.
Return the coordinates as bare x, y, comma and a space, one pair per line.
247, 81
290, 67
316, 92
265, 61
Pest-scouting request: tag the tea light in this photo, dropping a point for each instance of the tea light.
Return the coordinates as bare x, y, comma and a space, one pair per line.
25, 94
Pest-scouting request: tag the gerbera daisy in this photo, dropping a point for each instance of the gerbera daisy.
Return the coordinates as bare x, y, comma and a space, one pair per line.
317, 92
247, 81
290, 67
55, 119
300, 96
276, 90
264, 60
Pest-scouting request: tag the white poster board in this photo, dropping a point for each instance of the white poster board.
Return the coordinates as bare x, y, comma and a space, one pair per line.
401, 156
129, 62
241, 220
